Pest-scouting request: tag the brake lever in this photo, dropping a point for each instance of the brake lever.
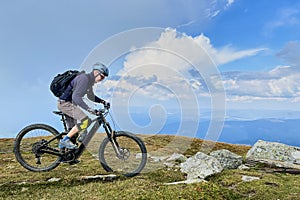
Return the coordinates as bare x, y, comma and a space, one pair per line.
101, 111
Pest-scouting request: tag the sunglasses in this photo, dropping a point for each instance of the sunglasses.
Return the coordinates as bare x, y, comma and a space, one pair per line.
102, 75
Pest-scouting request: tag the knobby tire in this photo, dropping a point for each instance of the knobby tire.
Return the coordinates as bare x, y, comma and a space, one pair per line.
135, 151
28, 140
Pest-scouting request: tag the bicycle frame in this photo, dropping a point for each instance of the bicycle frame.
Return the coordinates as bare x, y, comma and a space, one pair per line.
100, 120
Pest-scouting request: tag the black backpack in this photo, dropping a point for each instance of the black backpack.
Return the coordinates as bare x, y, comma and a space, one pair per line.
60, 82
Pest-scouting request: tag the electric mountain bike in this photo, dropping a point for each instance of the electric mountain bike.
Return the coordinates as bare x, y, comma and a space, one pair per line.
36, 147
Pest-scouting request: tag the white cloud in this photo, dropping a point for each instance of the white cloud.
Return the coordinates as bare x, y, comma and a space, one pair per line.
178, 66
166, 69
229, 3
227, 54
200, 11
279, 83
175, 66
196, 49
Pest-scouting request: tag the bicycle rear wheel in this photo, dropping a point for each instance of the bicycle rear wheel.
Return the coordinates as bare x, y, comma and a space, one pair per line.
133, 156
29, 144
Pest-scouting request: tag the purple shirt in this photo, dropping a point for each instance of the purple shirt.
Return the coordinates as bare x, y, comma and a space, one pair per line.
80, 86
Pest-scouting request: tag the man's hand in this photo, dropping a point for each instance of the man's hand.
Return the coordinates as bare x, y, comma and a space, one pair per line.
93, 111
106, 105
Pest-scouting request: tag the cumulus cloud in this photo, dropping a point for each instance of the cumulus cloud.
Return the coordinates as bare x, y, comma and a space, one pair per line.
282, 82
175, 66
269, 86
178, 66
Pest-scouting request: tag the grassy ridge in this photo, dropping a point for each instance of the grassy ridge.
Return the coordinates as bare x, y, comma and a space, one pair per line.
18, 183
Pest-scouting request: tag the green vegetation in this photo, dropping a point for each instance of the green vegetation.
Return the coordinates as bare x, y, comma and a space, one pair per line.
18, 183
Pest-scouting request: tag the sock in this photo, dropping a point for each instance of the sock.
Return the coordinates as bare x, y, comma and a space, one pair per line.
65, 138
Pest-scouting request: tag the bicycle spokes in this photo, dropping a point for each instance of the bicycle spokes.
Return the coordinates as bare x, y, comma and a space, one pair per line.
127, 155
33, 150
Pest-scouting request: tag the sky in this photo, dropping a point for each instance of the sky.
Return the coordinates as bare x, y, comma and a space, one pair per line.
164, 56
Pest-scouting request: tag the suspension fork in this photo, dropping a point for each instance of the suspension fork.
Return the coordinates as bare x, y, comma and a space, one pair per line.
111, 136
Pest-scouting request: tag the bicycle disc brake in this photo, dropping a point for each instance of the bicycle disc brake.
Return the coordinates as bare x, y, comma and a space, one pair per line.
36, 149
124, 153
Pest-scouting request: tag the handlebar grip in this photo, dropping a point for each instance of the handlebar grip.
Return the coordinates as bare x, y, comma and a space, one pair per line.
102, 110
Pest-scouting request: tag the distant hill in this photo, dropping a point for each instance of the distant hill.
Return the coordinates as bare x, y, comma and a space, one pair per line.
249, 131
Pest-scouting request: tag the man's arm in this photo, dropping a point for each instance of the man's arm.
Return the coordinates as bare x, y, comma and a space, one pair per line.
80, 86
91, 96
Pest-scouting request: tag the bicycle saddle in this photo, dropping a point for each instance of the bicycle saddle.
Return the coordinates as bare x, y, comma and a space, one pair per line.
58, 112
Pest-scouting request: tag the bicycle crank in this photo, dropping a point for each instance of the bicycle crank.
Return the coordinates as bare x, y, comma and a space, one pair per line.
69, 156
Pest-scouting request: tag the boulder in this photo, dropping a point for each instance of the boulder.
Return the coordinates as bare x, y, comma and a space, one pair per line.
274, 154
227, 159
200, 166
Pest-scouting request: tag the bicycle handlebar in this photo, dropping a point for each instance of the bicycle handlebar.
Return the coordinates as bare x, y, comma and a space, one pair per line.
103, 110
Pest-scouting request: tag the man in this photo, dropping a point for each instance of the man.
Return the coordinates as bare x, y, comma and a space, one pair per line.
71, 102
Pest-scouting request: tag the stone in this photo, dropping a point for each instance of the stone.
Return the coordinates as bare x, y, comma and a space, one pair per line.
186, 182
243, 167
54, 179
274, 154
108, 177
177, 157
168, 164
227, 159
158, 158
200, 166
249, 178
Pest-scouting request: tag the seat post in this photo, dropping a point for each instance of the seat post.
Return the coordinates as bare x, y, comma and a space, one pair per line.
63, 119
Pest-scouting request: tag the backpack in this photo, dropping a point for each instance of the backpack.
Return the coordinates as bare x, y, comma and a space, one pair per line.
61, 81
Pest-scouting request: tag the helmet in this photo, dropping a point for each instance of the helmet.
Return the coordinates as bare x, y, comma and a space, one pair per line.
101, 68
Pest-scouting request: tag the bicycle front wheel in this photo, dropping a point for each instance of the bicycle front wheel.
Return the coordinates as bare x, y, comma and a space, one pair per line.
29, 144
132, 156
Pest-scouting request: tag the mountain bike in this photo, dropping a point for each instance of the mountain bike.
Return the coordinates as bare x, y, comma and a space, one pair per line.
36, 147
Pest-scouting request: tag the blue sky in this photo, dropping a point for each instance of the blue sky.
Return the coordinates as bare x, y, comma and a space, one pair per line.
254, 46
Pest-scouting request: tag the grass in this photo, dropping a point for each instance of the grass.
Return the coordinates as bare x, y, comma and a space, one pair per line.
18, 183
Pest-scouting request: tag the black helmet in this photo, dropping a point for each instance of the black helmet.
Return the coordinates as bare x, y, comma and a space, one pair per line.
101, 68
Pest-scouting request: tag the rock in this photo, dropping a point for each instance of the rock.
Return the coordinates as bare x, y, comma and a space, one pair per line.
54, 179
100, 177
243, 167
186, 182
200, 166
168, 164
296, 155
177, 157
139, 155
158, 158
274, 154
227, 159
249, 178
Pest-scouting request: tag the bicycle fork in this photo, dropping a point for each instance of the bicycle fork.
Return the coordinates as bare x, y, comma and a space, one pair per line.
112, 139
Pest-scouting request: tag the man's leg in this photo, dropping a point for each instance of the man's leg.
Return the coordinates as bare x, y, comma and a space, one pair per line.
71, 122
76, 113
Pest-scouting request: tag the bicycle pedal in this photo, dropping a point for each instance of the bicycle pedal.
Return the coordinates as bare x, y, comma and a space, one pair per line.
74, 162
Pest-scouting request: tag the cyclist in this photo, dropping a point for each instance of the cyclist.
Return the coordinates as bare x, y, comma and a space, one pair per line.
71, 103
